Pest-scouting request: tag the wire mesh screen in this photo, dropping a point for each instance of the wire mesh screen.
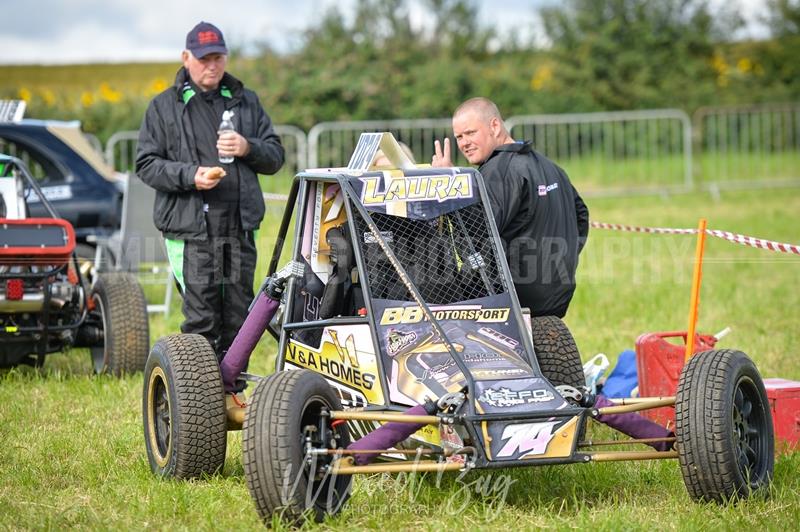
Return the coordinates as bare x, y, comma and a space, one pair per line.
448, 259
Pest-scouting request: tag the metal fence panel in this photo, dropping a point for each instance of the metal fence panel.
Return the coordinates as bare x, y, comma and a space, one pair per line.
607, 153
121, 147
330, 144
94, 141
612, 153
758, 144
295, 146
121, 150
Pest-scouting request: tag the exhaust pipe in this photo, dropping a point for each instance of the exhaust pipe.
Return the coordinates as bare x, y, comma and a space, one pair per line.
28, 303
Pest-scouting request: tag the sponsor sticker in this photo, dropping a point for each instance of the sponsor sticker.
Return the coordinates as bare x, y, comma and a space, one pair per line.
544, 189
416, 188
505, 397
414, 314
397, 340
369, 238
526, 438
340, 362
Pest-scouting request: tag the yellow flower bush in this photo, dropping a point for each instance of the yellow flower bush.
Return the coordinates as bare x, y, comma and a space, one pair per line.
108, 94
48, 97
87, 99
542, 77
744, 65
158, 85
722, 69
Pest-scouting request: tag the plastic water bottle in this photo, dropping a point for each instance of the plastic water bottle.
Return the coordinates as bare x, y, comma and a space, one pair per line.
226, 125
594, 369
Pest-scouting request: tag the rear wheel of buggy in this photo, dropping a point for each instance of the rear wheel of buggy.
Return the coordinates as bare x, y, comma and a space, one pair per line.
723, 427
120, 306
183, 405
282, 418
557, 352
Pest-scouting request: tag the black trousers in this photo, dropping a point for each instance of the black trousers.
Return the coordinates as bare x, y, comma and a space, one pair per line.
218, 287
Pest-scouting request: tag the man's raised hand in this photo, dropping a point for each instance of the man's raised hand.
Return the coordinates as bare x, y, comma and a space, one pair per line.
441, 155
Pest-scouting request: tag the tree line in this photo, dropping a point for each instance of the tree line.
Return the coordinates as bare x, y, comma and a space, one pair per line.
592, 56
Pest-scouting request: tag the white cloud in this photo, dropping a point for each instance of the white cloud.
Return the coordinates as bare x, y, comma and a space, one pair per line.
59, 31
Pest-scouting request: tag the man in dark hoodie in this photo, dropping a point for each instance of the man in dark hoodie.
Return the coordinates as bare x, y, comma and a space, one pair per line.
208, 221
541, 218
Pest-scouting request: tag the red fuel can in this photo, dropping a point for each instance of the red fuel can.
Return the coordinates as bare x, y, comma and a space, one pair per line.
784, 402
660, 357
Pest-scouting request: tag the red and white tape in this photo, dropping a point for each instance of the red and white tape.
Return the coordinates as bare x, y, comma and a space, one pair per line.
725, 235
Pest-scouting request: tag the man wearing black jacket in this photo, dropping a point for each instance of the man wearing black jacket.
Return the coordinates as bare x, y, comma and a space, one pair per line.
208, 222
540, 216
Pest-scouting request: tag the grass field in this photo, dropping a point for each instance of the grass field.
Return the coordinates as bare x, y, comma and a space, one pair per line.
72, 452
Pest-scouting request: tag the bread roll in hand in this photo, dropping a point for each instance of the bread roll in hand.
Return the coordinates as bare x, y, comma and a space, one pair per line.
215, 173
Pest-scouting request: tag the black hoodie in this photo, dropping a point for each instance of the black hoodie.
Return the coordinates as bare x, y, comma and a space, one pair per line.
543, 222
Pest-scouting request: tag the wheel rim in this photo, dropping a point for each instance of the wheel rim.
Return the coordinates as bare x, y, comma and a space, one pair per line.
159, 426
749, 431
327, 494
100, 354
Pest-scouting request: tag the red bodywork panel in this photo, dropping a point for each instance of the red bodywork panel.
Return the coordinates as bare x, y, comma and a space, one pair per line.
39, 241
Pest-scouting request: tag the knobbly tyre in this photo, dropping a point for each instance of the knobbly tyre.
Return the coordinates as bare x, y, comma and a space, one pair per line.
401, 341
49, 300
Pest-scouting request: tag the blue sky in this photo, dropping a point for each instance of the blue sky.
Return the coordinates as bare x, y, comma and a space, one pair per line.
76, 31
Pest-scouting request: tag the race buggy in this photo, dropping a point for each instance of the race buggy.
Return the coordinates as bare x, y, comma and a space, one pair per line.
49, 300
401, 341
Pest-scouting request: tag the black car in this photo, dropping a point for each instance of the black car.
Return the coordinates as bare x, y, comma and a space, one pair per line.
72, 174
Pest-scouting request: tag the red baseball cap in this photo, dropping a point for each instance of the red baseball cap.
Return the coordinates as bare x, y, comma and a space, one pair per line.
205, 39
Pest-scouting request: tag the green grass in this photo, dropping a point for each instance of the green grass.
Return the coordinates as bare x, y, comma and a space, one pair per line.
72, 452
744, 166
595, 174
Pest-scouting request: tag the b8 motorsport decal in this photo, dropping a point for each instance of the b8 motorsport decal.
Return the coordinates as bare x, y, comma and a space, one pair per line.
414, 314
346, 356
482, 332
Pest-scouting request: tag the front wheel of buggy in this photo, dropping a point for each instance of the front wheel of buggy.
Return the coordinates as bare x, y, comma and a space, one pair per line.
183, 405
282, 420
121, 308
723, 427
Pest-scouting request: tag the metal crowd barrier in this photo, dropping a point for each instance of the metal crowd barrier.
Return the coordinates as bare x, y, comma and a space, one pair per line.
120, 149
331, 143
614, 153
749, 145
606, 153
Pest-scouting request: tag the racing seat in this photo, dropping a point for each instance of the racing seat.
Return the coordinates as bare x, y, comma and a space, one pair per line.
341, 296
